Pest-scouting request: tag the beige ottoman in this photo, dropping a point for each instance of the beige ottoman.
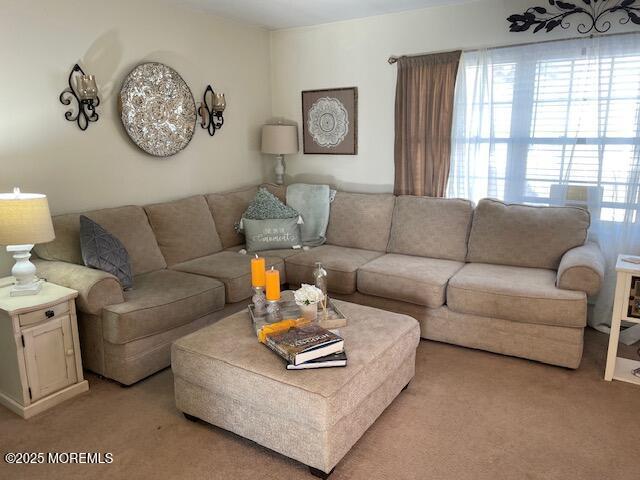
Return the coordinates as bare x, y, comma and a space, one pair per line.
225, 377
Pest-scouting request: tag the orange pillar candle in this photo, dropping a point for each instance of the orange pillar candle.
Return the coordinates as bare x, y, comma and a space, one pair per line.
258, 271
273, 285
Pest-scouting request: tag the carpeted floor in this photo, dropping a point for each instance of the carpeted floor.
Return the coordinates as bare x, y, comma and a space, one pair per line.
466, 415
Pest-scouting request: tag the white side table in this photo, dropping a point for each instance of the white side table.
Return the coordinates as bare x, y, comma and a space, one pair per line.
621, 368
40, 363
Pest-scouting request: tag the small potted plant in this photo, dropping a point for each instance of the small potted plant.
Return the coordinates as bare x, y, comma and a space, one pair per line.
307, 298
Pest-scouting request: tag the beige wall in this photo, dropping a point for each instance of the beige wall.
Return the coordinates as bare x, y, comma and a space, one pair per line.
354, 53
41, 40
41, 152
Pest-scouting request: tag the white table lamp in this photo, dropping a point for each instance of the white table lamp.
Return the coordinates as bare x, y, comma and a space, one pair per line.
280, 140
24, 220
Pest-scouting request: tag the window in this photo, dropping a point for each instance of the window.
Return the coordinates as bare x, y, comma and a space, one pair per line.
529, 118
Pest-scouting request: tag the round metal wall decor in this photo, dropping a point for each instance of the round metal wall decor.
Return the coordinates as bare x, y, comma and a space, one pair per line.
158, 110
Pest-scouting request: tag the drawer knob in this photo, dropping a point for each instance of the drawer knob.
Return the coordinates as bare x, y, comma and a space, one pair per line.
49, 313
69, 352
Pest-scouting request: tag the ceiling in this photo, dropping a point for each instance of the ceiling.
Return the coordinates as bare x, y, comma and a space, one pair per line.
276, 14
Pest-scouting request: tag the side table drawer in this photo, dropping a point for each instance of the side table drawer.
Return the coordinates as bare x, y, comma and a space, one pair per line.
43, 314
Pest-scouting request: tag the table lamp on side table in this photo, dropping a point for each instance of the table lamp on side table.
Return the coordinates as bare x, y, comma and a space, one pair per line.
24, 220
280, 140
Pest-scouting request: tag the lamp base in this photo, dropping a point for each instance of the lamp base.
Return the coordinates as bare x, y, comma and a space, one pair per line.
24, 272
280, 169
33, 289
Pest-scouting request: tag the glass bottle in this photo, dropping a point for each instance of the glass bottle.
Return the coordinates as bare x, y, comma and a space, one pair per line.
320, 278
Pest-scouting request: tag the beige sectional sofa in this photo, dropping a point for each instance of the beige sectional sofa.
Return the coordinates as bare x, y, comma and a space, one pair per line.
509, 279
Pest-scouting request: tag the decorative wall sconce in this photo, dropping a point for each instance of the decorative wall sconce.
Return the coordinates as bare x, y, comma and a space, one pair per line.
211, 108
85, 92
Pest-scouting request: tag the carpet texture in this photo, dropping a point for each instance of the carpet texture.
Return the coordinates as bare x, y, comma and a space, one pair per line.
466, 415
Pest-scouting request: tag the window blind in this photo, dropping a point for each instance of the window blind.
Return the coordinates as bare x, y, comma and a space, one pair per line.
534, 116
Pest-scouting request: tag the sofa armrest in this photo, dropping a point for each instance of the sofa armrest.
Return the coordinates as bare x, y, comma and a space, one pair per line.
582, 269
96, 289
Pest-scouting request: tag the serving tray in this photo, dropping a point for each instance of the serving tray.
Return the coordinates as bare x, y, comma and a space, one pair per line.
288, 309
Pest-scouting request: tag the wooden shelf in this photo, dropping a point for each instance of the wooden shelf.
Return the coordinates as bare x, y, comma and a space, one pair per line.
627, 267
620, 368
623, 369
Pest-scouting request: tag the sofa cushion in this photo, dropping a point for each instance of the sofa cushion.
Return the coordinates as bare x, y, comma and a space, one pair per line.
228, 207
523, 235
519, 294
431, 227
232, 269
184, 229
418, 280
160, 301
66, 246
360, 220
341, 264
129, 224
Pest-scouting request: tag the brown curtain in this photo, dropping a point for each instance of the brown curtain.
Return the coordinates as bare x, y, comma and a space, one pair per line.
424, 116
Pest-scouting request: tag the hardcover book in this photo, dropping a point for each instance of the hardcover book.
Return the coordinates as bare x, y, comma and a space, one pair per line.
333, 360
302, 344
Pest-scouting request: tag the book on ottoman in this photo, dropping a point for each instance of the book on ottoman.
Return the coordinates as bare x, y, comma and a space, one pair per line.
302, 344
333, 360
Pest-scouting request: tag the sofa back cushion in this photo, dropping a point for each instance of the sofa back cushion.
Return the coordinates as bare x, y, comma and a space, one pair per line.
361, 220
66, 246
228, 207
431, 227
184, 229
128, 224
525, 236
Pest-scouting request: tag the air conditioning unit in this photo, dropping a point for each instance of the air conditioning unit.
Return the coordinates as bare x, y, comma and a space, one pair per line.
588, 197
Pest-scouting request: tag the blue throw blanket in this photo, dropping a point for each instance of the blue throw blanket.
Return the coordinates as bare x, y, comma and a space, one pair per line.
313, 204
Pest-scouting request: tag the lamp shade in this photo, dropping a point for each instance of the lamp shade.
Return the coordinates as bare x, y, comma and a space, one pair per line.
24, 219
279, 139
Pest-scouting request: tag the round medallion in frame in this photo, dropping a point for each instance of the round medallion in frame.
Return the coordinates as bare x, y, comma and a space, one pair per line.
328, 122
157, 109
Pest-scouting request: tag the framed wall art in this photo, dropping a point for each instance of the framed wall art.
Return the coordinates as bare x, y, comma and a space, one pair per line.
330, 121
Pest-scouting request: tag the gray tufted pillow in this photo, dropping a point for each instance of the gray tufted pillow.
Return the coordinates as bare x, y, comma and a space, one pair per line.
105, 252
266, 206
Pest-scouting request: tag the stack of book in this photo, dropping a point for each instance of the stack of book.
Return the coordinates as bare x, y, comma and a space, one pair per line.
301, 344
309, 346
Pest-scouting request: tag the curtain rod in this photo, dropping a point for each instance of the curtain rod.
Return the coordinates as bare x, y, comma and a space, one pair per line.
394, 58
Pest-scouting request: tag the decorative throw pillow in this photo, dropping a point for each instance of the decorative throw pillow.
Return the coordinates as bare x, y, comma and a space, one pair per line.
105, 252
265, 206
272, 234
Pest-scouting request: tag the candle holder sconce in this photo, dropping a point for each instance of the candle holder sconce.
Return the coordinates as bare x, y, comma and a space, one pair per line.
85, 92
211, 108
